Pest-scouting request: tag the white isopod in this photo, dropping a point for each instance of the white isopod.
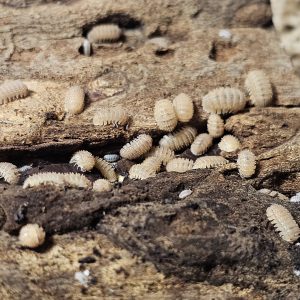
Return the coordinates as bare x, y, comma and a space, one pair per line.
111, 157
102, 185
104, 33
84, 160
87, 47
201, 144
229, 143
179, 165
74, 100
184, 107
117, 116
31, 236
9, 172
105, 169
246, 163
215, 125
206, 162
163, 153
164, 115
12, 90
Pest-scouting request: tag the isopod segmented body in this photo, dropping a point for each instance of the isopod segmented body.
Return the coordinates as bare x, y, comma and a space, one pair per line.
206, 162
164, 115
184, 107
111, 157
180, 139
224, 100
284, 222
9, 172
74, 100
201, 144
105, 169
115, 116
148, 168
229, 143
259, 88
163, 153
137, 147
104, 33
12, 90
246, 163
102, 185
179, 165
215, 125
84, 160
31, 236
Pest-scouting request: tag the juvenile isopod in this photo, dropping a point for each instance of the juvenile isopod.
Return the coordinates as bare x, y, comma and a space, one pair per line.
87, 47
283, 222
74, 100
116, 116
215, 125
296, 198
104, 33
185, 193
12, 90
229, 143
111, 158
137, 147
184, 107
224, 100
9, 172
163, 153
206, 162
106, 169
259, 88
148, 168
102, 185
164, 115
84, 160
246, 163
201, 144
31, 236
180, 139
179, 165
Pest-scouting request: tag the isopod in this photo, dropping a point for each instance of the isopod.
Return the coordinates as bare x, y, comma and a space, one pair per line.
184, 107
179, 165
246, 163
180, 139
12, 90
164, 115
116, 116
104, 33
163, 153
148, 168
84, 160
102, 185
201, 144
185, 193
215, 125
137, 147
106, 169
206, 162
224, 100
111, 157
74, 100
259, 88
295, 198
283, 222
87, 48
229, 143
9, 172
31, 236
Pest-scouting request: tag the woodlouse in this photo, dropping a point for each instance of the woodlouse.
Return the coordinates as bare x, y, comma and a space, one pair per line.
31, 236
164, 115
84, 160
74, 100
201, 144
163, 153
179, 165
184, 107
206, 162
116, 116
215, 125
148, 168
137, 147
185, 193
111, 157
229, 143
12, 90
102, 185
9, 172
259, 88
104, 33
180, 139
246, 163
87, 47
106, 169
283, 222
224, 100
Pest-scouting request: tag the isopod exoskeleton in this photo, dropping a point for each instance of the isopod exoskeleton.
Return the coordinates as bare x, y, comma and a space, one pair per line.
184, 107
164, 115
115, 116
206, 162
246, 163
12, 90
9, 172
224, 100
259, 88
106, 169
229, 143
104, 33
148, 168
283, 222
137, 147
215, 125
163, 153
74, 100
102, 185
179, 165
31, 236
201, 144
111, 158
84, 160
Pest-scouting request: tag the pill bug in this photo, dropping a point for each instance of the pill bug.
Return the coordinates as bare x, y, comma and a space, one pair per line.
137, 147
9, 172
206, 162
229, 143
104, 33
115, 116
179, 165
102, 185
31, 236
148, 168
163, 153
74, 100
12, 90
215, 125
87, 47
84, 160
201, 144
184, 107
105, 169
246, 163
180, 139
273, 194
283, 222
224, 100
183, 194
164, 115
111, 157
259, 88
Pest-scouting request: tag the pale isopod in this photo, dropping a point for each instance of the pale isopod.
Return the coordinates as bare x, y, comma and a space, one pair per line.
183, 194
296, 198
284, 222
179, 165
9, 172
115, 116
84, 160
104, 33
31, 236
106, 169
111, 157
102, 185
259, 88
206, 162
12, 90
201, 144
163, 153
215, 125
148, 168
184, 107
164, 115
74, 100
224, 100
246, 163
87, 48
229, 143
